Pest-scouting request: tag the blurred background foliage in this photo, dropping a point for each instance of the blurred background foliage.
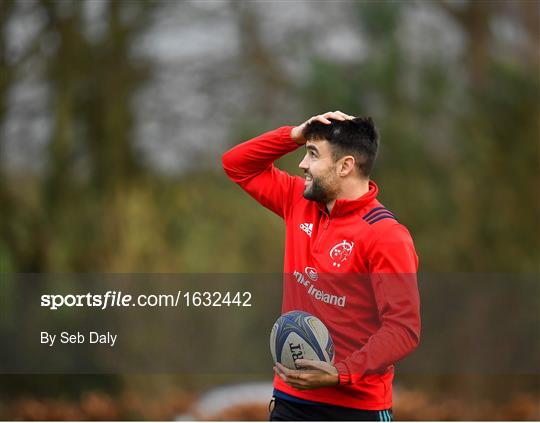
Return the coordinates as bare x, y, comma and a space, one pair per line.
114, 115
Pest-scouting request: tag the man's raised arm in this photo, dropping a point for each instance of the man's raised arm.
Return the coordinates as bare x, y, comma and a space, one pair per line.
250, 164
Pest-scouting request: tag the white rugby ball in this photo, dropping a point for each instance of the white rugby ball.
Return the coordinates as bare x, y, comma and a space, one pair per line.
300, 335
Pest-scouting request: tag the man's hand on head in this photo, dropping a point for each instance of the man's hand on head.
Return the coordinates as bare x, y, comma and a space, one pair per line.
313, 374
298, 131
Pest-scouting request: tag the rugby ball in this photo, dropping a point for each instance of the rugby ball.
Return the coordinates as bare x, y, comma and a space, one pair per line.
300, 335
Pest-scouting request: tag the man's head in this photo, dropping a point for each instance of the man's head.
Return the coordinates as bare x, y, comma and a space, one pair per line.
337, 152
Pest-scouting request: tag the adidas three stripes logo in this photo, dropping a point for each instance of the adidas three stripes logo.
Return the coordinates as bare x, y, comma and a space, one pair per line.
378, 213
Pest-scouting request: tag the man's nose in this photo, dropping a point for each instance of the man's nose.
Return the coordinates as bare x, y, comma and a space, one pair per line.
303, 164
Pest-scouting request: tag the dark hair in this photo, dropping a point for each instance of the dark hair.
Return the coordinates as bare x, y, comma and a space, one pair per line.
357, 137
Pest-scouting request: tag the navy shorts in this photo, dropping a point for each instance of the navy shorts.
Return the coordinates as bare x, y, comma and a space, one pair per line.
285, 410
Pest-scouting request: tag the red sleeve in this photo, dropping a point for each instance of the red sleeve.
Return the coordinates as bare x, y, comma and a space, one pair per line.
393, 265
250, 165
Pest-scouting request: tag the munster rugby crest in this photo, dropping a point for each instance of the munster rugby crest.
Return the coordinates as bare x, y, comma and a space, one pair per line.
339, 253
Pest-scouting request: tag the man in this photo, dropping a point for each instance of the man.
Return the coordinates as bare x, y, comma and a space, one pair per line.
348, 261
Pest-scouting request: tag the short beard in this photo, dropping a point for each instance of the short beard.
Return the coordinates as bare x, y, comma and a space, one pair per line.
317, 192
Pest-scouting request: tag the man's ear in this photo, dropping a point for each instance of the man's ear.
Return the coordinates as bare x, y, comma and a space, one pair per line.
347, 165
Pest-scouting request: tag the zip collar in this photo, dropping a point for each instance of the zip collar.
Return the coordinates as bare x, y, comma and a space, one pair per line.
343, 207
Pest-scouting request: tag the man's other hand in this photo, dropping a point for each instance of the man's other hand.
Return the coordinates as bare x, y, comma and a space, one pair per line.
313, 374
298, 131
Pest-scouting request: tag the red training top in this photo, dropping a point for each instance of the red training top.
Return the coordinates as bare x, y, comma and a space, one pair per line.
354, 269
